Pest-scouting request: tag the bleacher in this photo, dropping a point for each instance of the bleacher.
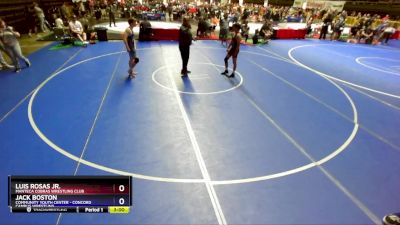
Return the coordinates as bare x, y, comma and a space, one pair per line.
382, 7
15, 12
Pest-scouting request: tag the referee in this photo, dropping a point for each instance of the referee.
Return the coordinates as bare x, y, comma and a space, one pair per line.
185, 40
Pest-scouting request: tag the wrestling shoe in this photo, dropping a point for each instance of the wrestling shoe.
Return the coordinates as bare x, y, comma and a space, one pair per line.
231, 75
391, 219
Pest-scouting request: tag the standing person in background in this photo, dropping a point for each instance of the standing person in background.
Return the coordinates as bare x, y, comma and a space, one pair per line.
224, 29
82, 9
8, 38
233, 50
90, 5
202, 28
185, 40
327, 20
75, 9
268, 14
40, 16
30, 21
245, 30
97, 11
64, 11
111, 8
339, 26
387, 33
169, 9
309, 22
129, 40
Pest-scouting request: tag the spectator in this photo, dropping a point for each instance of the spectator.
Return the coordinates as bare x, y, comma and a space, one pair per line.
97, 12
40, 16
169, 9
214, 22
52, 11
367, 34
112, 8
256, 36
266, 30
202, 28
354, 30
77, 30
339, 26
386, 18
368, 20
81, 8
209, 27
387, 33
245, 15
309, 22
85, 23
268, 14
90, 22
8, 38
64, 11
145, 30
327, 20
224, 30
58, 23
30, 21
245, 30
75, 9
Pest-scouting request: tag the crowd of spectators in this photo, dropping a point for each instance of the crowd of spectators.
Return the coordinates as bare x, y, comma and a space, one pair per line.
210, 16
362, 27
372, 29
80, 17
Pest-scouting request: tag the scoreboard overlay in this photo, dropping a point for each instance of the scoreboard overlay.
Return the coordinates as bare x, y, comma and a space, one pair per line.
70, 194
